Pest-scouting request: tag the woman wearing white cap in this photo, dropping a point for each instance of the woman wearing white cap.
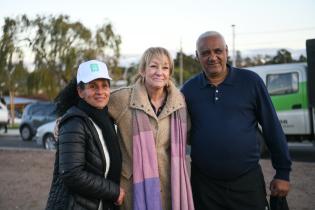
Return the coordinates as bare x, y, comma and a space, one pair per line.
151, 120
88, 157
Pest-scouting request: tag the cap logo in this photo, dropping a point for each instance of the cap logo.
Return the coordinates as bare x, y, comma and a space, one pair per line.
94, 67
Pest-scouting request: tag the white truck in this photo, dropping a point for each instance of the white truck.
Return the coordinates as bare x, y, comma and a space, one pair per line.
292, 91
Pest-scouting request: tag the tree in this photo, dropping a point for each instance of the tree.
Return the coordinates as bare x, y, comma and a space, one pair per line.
302, 58
56, 45
283, 56
258, 60
190, 66
60, 45
247, 62
12, 70
107, 45
268, 59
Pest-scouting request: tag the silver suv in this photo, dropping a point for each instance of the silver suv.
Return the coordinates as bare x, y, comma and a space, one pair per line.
35, 115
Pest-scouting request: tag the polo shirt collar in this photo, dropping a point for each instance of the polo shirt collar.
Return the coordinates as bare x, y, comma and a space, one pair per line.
229, 80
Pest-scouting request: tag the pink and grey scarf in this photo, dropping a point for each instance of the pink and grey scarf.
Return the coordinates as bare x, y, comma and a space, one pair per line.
146, 182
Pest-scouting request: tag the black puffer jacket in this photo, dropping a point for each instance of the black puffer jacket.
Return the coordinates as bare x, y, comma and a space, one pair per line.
78, 180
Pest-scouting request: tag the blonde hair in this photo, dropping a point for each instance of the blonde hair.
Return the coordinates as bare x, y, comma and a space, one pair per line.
147, 57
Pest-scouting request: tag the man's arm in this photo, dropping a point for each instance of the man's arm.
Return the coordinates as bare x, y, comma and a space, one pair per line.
275, 140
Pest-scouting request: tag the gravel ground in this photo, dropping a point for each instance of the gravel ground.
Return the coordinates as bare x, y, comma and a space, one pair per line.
25, 179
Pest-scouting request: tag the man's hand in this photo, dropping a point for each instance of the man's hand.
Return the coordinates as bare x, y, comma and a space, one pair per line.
121, 197
279, 187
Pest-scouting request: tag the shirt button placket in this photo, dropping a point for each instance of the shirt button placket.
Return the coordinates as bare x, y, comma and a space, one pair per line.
216, 95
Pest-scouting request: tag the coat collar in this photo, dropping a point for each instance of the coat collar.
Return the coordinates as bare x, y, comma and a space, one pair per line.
139, 100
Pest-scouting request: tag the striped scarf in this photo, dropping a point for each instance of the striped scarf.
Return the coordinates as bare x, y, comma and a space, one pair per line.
146, 182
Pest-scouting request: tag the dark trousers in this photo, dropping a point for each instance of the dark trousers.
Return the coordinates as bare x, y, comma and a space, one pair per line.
246, 192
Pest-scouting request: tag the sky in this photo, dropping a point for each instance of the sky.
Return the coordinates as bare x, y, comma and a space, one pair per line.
175, 23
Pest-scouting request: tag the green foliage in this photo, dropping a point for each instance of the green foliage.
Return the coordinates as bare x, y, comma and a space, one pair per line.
107, 43
132, 72
283, 56
58, 45
12, 71
302, 58
190, 67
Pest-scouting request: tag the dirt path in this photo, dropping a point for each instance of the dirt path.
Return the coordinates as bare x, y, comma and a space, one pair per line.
26, 175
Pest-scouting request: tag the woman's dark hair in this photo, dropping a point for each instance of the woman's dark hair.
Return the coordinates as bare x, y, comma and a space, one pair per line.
68, 97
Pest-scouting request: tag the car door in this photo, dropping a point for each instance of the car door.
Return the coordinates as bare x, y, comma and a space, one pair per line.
288, 93
38, 116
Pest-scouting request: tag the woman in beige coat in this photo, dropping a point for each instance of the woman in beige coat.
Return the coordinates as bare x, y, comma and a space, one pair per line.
154, 172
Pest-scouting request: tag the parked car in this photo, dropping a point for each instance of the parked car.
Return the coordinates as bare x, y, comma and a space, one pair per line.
17, 117
35, 115
4, 115
45, 135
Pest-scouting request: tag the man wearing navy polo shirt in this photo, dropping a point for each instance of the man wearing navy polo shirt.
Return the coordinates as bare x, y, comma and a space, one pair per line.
226, 104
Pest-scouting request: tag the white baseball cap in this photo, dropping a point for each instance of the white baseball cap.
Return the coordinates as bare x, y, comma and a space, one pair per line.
91, 70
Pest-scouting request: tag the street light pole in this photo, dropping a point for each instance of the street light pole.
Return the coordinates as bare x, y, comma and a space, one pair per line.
233, 45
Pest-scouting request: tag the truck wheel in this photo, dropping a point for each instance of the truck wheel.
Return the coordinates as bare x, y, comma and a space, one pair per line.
263, 147
26, 133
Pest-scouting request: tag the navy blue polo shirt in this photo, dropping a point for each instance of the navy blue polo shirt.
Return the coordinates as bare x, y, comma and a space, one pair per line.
224, 123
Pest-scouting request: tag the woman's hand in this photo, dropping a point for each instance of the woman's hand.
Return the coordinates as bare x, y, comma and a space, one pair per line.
121, 197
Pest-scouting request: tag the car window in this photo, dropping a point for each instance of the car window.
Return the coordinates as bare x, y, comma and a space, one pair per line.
279, 84
43, 109
53, 112
50, 109
39, 111
31, 111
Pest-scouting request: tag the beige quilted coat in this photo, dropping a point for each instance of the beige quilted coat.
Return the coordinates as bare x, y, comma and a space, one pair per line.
121, 105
